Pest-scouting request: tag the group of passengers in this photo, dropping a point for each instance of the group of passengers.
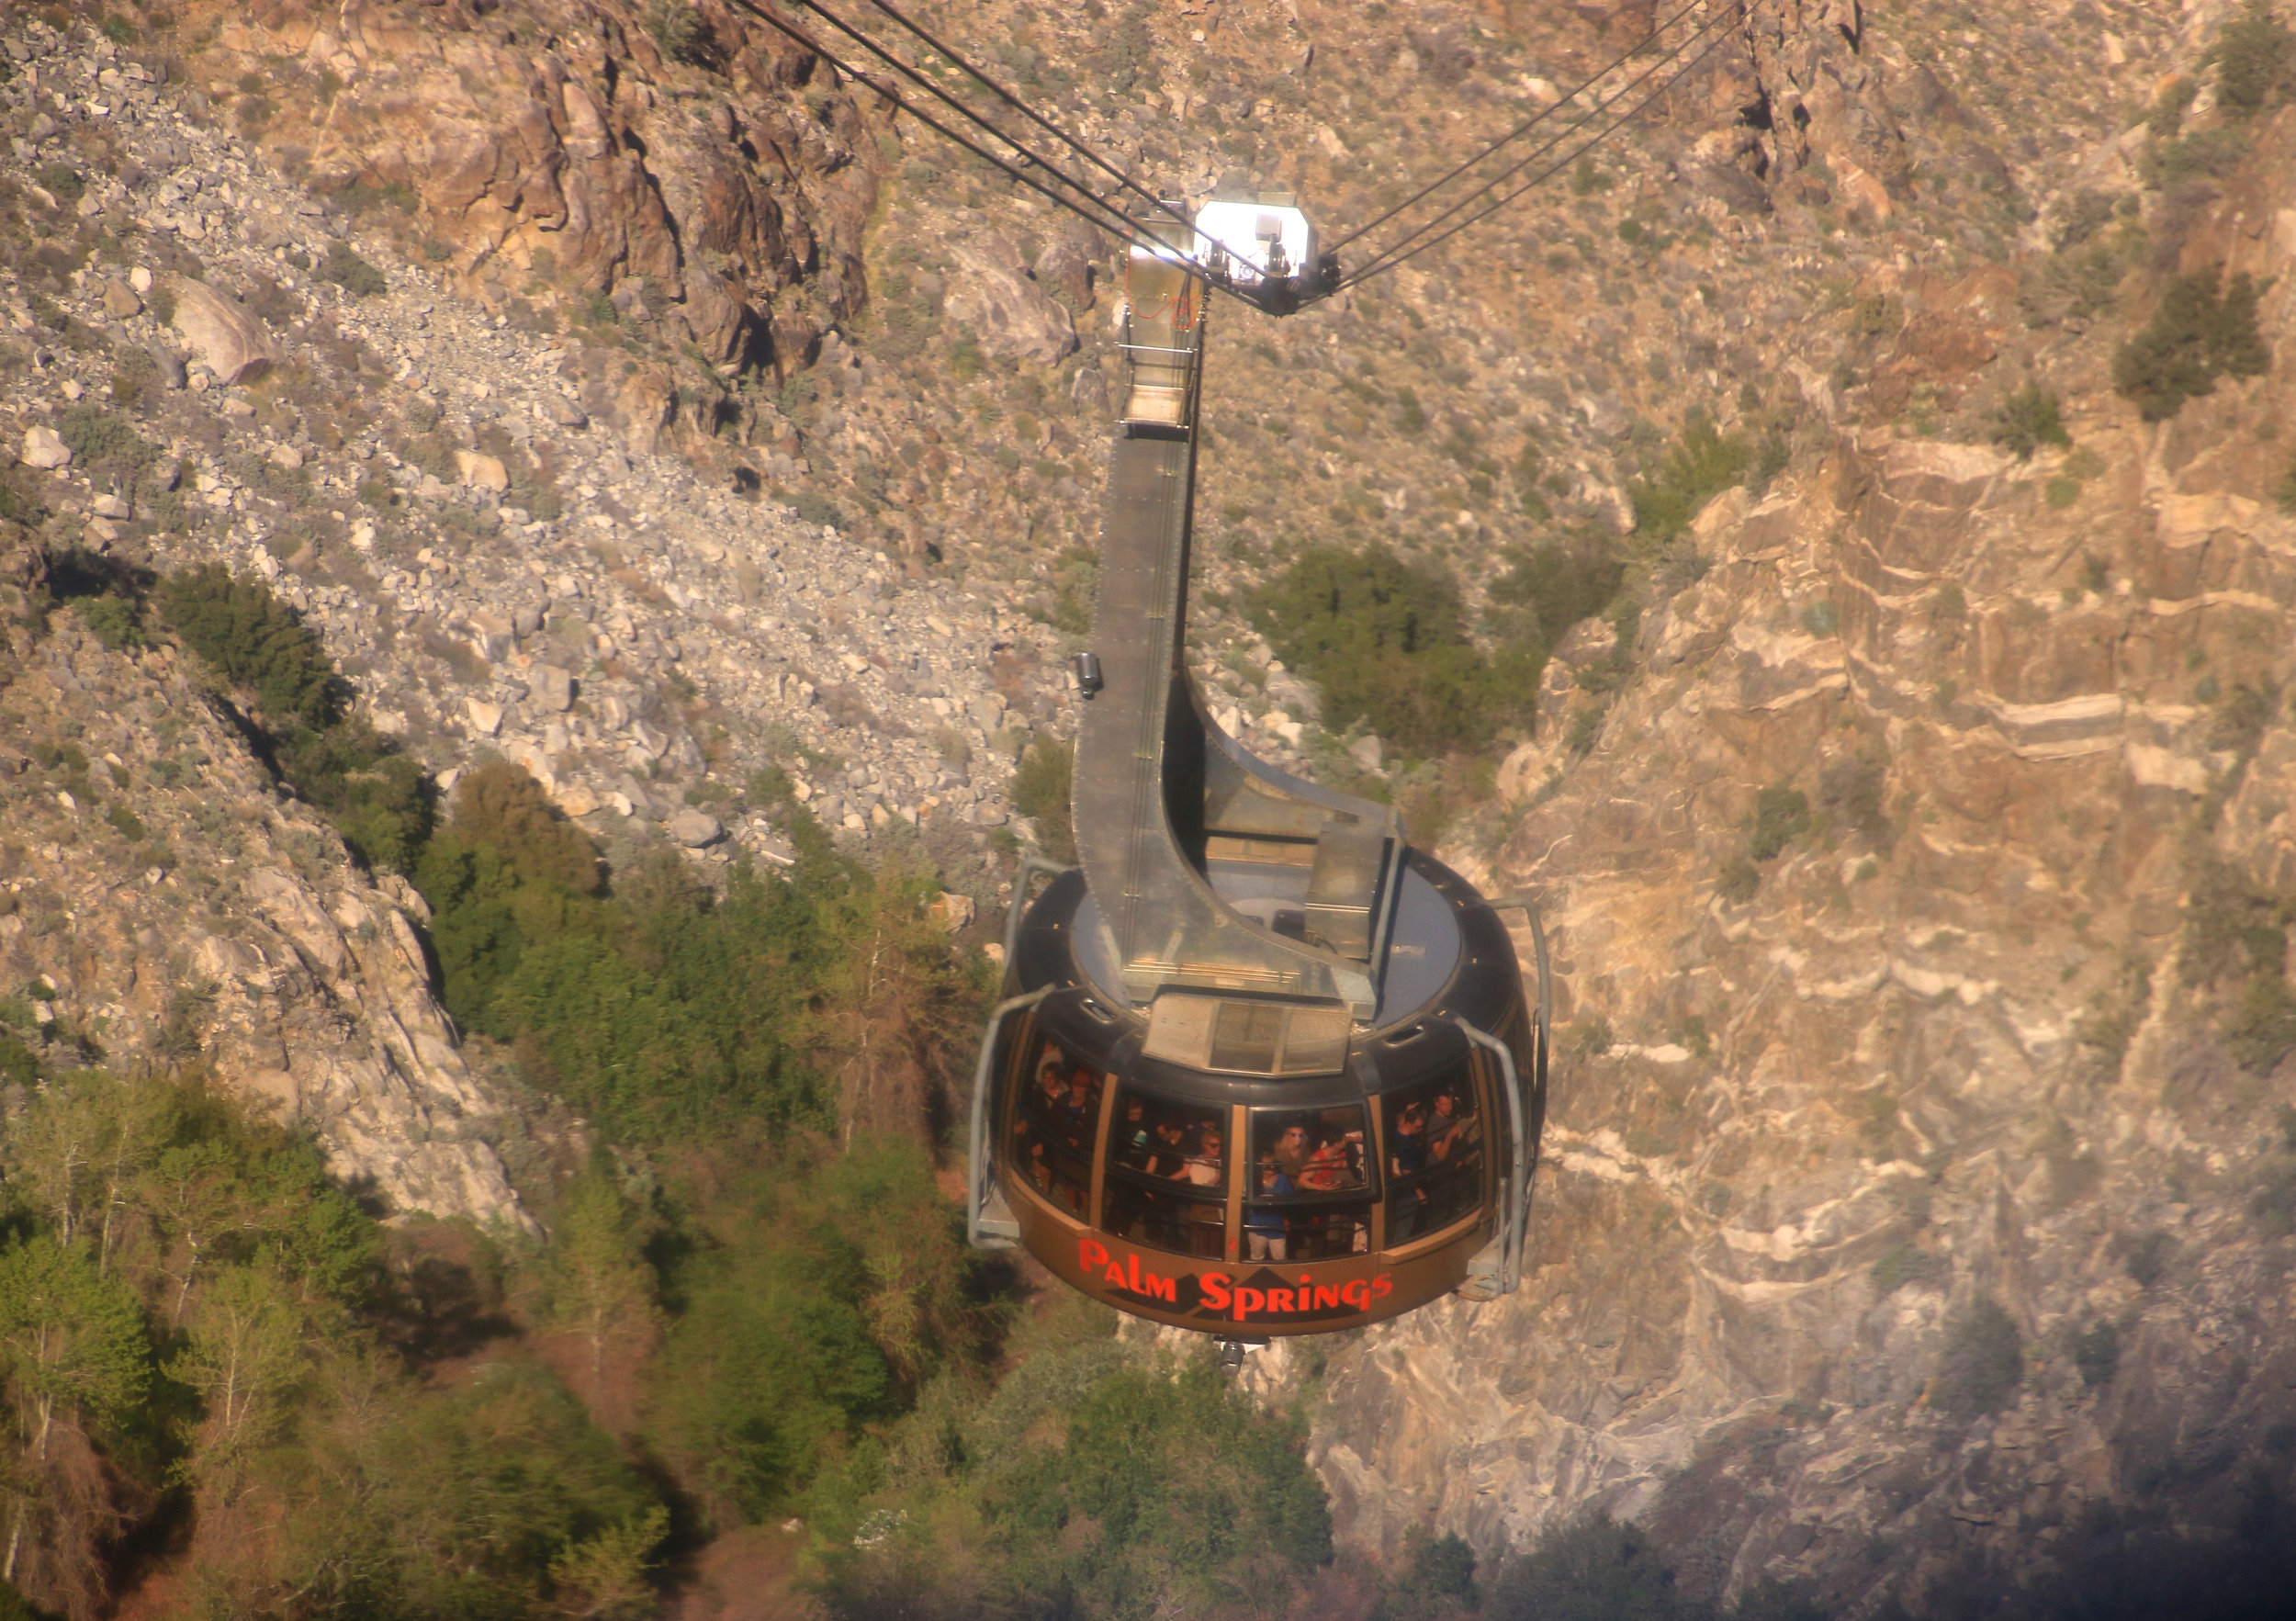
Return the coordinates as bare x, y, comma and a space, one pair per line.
1315, 1153
1304, 1157
1423, 1136
1062, 1108
1177, 1147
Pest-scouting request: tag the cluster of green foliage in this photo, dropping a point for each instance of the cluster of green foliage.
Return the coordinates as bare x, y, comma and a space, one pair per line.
2204, 328
1601, 1570
1559, 583
2236, 945
371, 793
102, 442
1042, 789
2255, 58
197, 1333
618, 1002
1983, 1361
680, 32
1701, 464
2028, 419
1781, 816
1095, 1481
1387, 641
352, 274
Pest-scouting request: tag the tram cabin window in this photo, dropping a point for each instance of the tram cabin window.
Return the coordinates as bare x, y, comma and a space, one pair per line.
1168, 1174
1309, 1196
1053, 1125
1435, 1156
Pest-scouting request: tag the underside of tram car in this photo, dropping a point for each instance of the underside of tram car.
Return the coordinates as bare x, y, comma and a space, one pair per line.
1261, 1068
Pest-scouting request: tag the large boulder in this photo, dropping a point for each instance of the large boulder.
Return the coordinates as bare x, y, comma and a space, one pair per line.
44, 449
230, 339
1007, 311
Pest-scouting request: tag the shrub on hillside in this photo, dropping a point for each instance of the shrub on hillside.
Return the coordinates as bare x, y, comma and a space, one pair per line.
1596, 1568
1041, 787
1983, 1361
2255, 58
1698, 466
1781, 816
2199, 331
1388, 643
353, 274
257, 642
1560, 584
373, 794
2028, 419
101, 440
507, 869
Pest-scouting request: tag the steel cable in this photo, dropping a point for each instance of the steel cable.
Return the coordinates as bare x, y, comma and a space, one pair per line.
1115, 223
1381, 266
1402, 248
1007, 97
1534, 121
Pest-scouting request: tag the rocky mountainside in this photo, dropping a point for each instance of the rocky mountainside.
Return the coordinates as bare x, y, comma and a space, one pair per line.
620, 394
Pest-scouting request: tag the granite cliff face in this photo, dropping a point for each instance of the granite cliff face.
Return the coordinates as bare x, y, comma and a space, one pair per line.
1891, 899
266, 956
1916, 842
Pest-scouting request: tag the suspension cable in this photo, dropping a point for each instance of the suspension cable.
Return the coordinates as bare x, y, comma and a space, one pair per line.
1381, 266
1115, 223
938, 93
1530, 123
1404, 247
1010, 100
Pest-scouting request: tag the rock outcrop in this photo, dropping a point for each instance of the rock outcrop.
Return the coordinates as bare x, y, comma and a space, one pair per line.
161, 906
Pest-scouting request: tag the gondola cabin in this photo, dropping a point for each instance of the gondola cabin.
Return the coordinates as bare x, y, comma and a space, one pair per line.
1261, 1067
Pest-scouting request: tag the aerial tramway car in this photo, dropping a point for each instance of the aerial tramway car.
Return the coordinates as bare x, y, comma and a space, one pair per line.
1261, 1067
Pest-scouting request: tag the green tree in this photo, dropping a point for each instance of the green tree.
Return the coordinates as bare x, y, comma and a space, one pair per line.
1597, 1570
507, 871
2028, 419
1983, 1361
2256, 60
374, 795
243, 1356
257, 642
1561, 583
1041, 786
1699, 466
2200, 331
1388, 643
72, 1346
605, 1577
598, 1283
1172, 1490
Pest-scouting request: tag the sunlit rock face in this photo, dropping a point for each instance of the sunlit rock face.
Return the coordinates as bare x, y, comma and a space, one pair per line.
1916, 1190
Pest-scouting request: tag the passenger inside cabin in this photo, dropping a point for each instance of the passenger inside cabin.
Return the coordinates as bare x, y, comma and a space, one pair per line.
1204, 1167
1407, 1145
1169, 1154
1264, 1230
1443, 1126
1081, 1108
1336, 1165
1135, 1141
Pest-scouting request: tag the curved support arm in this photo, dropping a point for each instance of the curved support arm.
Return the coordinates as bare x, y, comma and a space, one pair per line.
1516, 1215
979, 1162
